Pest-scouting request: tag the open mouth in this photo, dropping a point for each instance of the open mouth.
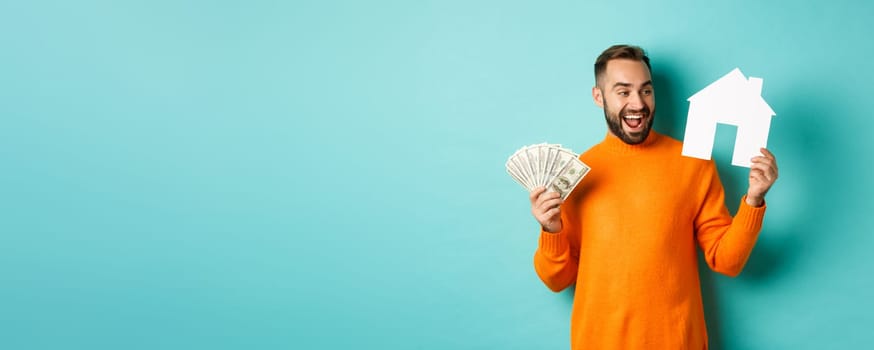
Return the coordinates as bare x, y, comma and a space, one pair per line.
634, 122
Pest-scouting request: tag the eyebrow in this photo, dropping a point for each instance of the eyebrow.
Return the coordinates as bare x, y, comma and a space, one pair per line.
620, 84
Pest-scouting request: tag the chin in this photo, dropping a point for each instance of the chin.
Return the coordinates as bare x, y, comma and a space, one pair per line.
638, 138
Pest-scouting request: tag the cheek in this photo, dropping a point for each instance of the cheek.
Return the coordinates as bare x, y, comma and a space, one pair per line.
615, 103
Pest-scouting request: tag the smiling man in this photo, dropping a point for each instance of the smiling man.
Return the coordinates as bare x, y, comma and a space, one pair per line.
627, 235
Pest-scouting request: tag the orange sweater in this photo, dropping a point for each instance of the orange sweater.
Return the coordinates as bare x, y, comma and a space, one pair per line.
628, 240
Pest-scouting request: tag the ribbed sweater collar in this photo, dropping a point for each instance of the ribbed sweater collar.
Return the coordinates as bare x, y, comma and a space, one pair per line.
615, 145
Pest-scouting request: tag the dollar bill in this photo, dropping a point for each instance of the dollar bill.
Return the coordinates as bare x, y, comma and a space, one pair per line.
551, 165
568, 177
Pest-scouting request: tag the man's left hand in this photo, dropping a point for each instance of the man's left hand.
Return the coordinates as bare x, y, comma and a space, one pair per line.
763, 173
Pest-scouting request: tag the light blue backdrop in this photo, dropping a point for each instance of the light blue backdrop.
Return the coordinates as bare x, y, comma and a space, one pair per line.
329, 175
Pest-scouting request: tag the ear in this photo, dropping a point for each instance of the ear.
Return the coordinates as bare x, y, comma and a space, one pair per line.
598, 96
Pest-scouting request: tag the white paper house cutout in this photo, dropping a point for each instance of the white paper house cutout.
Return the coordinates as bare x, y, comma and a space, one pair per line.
732, 100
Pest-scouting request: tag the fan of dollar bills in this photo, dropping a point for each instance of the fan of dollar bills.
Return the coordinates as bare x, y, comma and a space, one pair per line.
558, 169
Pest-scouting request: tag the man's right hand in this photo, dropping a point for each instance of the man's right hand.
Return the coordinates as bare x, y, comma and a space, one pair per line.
545, 206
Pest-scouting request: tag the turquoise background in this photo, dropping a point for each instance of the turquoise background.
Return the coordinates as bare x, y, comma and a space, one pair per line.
330, 174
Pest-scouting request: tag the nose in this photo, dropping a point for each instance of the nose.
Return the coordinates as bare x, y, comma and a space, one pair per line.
635, 101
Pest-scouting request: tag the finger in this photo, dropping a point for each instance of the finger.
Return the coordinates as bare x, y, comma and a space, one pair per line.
763, 171
758, 176
760, 159
536, 193
545, 206
769, 164
551, 214
767, 153
554, 203
760, 165
547, 197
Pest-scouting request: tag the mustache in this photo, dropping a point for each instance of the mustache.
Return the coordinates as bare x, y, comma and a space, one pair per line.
643, 111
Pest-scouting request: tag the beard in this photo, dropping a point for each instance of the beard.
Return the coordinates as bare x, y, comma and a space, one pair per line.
614, 122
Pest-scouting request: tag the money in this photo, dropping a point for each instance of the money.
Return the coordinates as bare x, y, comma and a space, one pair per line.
550, 165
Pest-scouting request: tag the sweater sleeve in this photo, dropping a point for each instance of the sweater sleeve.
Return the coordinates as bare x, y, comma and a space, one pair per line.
727, 242
555, 260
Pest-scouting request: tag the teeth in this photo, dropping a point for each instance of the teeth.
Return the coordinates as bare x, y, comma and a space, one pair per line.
633, 117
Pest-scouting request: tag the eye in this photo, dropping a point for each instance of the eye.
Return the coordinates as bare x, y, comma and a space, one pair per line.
623, 93
647, 92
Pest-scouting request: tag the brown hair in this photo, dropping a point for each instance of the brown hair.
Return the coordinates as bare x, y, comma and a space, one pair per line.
630, 52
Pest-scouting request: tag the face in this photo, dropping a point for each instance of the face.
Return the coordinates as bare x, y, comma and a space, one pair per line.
626, 94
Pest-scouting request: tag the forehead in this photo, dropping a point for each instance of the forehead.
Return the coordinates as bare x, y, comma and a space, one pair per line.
626, 71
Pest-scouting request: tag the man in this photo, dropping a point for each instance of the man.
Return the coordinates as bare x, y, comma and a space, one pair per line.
627, 235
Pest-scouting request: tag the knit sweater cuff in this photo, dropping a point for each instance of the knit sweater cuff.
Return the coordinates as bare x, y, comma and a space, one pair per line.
554, 243
750, 217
